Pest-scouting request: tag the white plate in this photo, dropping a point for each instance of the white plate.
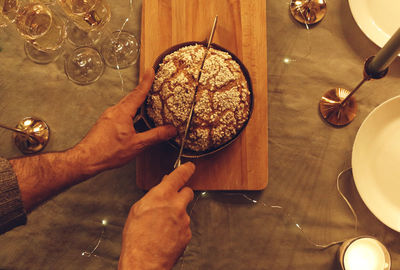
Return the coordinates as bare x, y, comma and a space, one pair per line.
376, 162
378, 19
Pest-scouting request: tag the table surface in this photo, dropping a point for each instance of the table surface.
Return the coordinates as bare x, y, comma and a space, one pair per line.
242, 230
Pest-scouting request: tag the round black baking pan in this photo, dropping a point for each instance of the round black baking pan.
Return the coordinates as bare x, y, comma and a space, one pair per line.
187, 152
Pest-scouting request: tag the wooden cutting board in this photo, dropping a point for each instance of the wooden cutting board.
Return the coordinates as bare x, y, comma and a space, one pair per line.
242, 30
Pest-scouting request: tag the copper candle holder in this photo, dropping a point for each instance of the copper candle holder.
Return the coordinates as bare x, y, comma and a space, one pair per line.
338, 107
308, 11
34, 136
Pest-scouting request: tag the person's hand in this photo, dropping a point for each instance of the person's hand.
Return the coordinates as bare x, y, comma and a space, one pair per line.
113, 141
157, 229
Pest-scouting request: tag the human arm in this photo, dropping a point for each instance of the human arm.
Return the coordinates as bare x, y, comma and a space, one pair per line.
157, 229
12, 213
111, 143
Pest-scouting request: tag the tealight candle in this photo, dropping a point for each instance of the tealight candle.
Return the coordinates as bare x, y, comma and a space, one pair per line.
364, 253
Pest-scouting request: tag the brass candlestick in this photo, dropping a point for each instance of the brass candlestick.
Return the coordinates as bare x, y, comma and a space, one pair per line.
308, 11
30, 135
338, 106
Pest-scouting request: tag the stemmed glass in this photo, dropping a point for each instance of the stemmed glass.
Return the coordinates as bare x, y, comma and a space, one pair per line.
121, 49
8, 11
88, 17
43, 32
84, 65
3, 21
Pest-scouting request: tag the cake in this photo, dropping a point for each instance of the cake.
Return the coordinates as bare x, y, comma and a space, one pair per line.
222, 102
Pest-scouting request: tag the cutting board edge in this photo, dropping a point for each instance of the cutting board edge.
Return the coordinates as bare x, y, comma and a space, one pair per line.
139, 172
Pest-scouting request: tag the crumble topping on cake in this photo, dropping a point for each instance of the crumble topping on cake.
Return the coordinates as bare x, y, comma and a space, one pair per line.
222, 99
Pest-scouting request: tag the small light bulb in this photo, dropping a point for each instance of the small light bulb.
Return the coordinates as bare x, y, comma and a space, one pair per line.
104, 222
286, 60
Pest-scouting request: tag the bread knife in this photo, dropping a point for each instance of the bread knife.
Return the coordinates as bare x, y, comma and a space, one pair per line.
189, 119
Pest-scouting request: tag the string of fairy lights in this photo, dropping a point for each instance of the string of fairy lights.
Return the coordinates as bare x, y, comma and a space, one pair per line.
204, 195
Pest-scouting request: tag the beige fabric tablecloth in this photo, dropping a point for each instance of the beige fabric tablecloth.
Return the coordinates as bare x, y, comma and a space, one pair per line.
252, 230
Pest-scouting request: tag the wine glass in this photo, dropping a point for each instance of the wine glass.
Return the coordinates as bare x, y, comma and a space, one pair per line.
43, 32
87, 18
120, 50
84, 65
3, 21
8, 11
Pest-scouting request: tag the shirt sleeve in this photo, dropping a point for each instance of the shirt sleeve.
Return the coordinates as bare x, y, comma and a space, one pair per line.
12, 212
